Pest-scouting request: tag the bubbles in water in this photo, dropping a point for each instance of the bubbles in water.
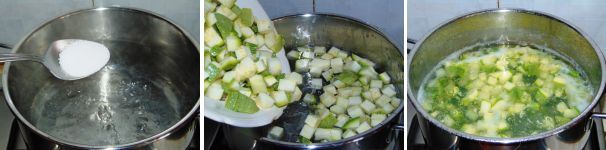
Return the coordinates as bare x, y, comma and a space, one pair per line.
122, 107
108, 127
104, 114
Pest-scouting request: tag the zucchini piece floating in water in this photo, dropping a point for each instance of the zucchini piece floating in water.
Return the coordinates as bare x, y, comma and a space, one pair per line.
529, 79
533, 69
328, 122
348, 77
385, 78
573, 73
275, 132
303, 139
293, 55
352, 124
500, 90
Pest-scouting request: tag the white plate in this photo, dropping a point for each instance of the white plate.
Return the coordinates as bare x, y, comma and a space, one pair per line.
216, 110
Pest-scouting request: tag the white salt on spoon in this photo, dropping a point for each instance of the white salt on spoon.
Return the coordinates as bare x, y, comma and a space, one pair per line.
83, 58
68, 59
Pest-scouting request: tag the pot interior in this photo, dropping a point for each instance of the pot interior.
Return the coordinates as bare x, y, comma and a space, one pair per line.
505, 26
347, 34
524, 28
150, 83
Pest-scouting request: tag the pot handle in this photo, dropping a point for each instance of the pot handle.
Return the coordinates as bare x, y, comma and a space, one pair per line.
2, 45
7, 46
398, 127
592, 119
596, 115
411, 41
394, 130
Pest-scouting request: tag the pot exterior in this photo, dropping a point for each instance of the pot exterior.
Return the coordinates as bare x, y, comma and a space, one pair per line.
180, 139
255, 138
439, 139
506, 26
345, 33
146, 96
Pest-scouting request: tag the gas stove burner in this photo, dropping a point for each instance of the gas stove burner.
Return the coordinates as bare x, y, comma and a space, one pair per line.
416, 141
11, 138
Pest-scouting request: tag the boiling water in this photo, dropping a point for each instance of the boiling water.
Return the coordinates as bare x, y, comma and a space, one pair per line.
124, 102
509, 117
580, 101
293, 118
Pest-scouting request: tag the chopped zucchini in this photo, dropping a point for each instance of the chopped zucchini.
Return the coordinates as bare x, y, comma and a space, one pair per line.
309, 98
280, 98
307, 131
239, 102
294, 55
302, 65
352, 66
264, 101
328, 122
275, 132
352, 124
385, 78
328, 75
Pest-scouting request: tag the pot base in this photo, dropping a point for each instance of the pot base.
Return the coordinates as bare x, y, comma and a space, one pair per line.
417, 141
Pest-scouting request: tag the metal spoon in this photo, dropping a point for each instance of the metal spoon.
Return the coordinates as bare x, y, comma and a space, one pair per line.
50, 59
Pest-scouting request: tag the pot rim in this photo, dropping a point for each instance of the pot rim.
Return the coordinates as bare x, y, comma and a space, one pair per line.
585, 113
190, 115
384, 124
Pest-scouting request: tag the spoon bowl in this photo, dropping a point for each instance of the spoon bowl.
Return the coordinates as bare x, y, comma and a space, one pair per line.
50, 59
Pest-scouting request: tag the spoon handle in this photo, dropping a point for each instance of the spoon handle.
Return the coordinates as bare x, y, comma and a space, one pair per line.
7, 57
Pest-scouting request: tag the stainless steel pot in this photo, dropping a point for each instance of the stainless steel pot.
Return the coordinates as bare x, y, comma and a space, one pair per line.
513, 26
147, 96
346, 33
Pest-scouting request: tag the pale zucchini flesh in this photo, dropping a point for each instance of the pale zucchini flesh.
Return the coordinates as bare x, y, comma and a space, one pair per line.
494, 91
343, 97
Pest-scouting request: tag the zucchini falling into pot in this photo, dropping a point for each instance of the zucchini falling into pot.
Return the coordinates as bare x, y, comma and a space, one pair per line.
347, 92
247, 78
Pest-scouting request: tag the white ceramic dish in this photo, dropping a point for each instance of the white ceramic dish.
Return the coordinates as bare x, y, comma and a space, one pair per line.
216, 110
